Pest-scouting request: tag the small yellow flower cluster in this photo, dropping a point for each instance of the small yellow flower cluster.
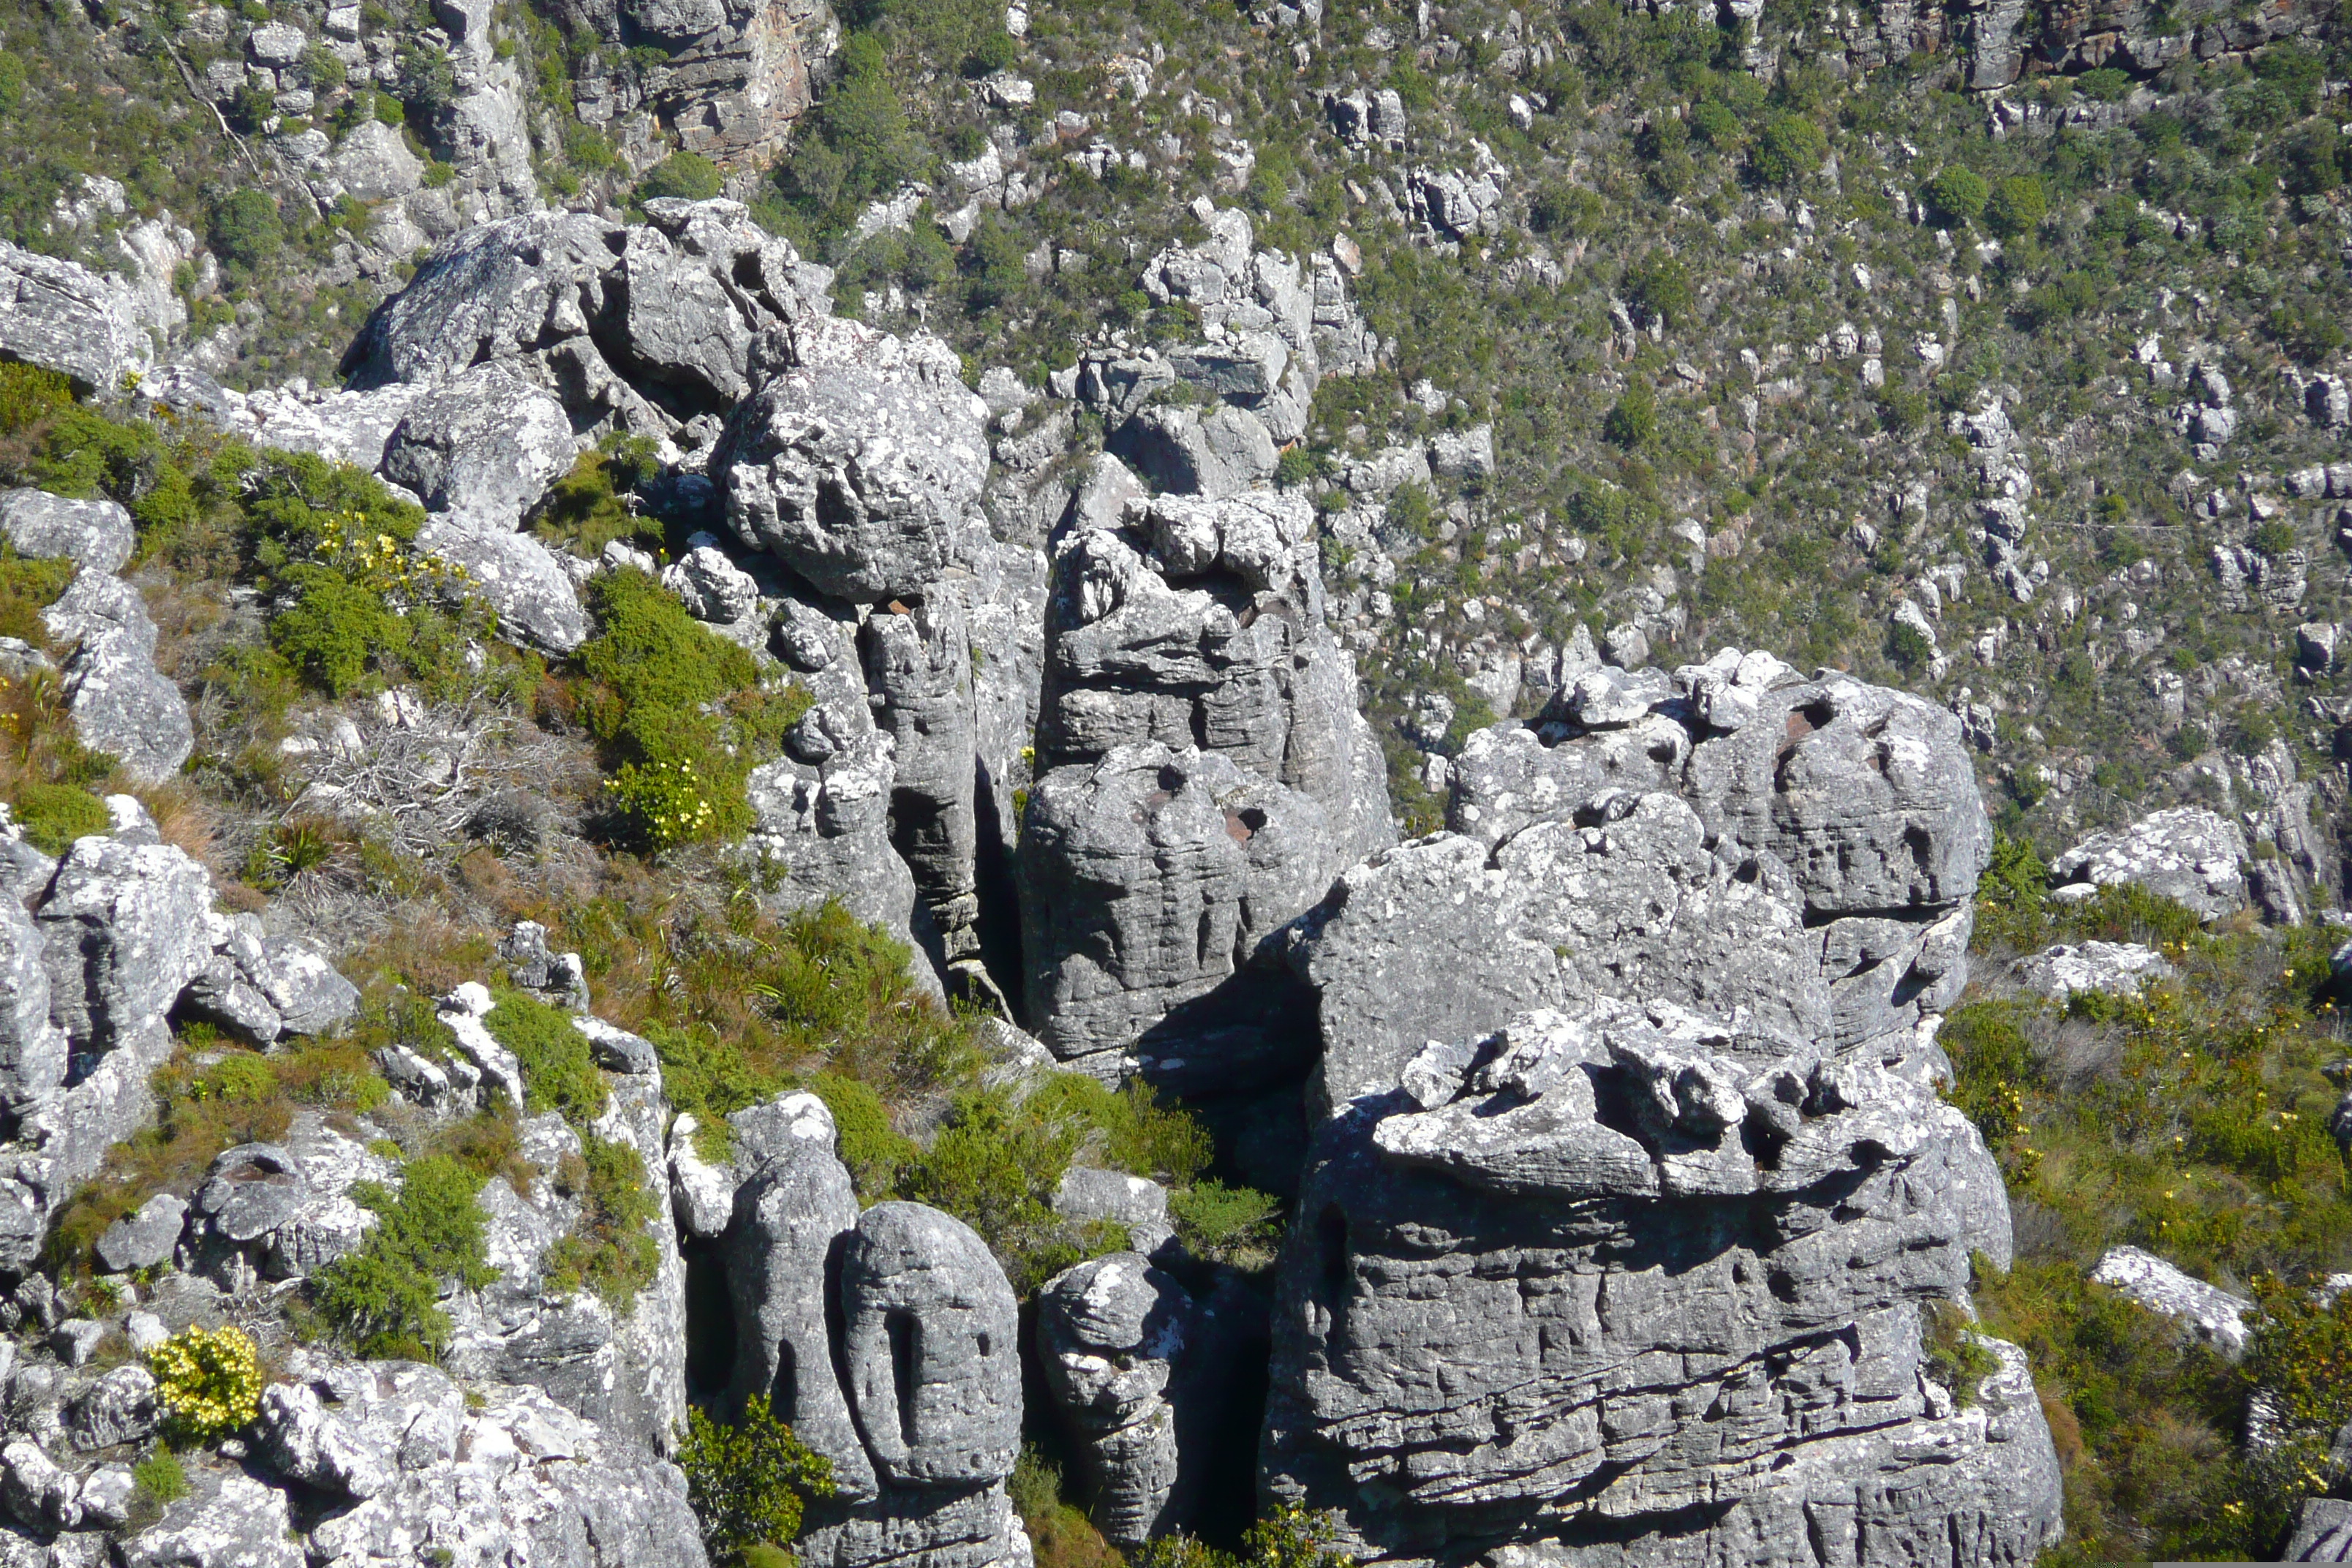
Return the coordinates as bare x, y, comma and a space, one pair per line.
379, 560
210, 1381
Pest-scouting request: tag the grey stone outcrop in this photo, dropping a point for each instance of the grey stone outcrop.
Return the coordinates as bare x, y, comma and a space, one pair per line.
517, 576
2213, 1314
856, 459
889, 1339
2191, 856
61, 316
125, 929
639, 328
1797, 856
481, 446
1542, 1269
96, 535
1140, 1370
144, 1238
121, 703
2109, 968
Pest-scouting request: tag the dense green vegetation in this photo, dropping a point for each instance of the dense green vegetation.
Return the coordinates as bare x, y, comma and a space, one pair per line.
749, 1482
386, 1297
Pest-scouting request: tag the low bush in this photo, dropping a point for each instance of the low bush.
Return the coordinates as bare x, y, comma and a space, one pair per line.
558, 1069
208, 1381
681, 711
161, 1478
1239, 1225
384, 1299
54, 815
750, 1483
609, 1251
1957, 194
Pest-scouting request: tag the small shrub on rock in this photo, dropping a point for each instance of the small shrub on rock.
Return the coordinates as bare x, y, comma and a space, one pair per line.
749, 1482
1957, 194
54, 815
209, 1381
559, 1072
384, 1299
608, 1251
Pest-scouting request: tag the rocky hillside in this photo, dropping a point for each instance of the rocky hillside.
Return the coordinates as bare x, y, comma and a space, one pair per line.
959, 786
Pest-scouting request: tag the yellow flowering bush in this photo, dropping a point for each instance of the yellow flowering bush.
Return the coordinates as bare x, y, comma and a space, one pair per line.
209, 1381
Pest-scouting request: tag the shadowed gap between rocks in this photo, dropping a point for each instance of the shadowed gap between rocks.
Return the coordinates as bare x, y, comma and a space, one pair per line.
709, 1322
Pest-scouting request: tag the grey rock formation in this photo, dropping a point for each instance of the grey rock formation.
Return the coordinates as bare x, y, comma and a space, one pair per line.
63, 317
889, 1339
2322, 1532
122, 704
145, 1239
482, 447
96, 535
827, 827
636, 328
625, 1372
504, 1476
1529, 1287
789, 1219
242, 1523
120, 1407
2189, 855
32, 1048
855, 460
1797, 856
2111, 968
1141, 1371
2213, 1314
1149, 879
919, 669
1180, 449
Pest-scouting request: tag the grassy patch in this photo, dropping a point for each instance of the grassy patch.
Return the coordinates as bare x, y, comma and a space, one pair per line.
2190, 1120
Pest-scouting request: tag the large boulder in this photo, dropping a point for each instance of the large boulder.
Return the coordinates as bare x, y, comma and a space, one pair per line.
1149, 879
498, 1474
1530, 1288
639, 328
516, 575
483, 447
96, 535
60, 316
2194, 856
125, 929
856, 459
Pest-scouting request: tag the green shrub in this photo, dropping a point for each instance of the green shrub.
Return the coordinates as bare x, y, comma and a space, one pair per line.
2273, 539
1659, 286
12, 81
1632, 420
1959, 195
873, 1149
245, 227
1718, 125
608, 1251
749, 1483
1908, 646
335, 629
384, 1299
585, 509
1791, 148
54, 815
2106, 84
559, 1068
160, 1477
679, 767
1229, 1225
2016, 207
208, 1381
688, 174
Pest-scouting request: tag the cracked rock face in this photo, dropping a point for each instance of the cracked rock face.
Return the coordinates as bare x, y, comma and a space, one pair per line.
1577, 1278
